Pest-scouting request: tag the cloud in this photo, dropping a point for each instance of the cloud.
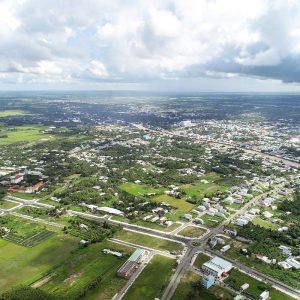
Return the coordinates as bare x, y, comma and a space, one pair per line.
142, 41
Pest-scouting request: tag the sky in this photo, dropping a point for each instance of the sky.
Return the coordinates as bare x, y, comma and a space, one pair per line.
159, 45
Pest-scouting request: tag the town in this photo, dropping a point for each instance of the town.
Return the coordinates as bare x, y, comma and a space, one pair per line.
149, 200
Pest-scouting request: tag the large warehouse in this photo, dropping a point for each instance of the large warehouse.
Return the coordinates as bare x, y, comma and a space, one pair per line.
217, 267
131, 264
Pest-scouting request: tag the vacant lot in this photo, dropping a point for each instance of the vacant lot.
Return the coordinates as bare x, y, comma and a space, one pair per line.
7, 204
192, 231
22, 265
237, 279
89, 273
20, 134
148, 241
153, 279
201, 259
140, 189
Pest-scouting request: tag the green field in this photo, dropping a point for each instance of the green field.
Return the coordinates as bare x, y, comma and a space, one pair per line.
76, 275
140, 189
22, 265
185, 288
200, 190
192, 231
201, 259
24, 196
189, 288
7, 204
19, 134
153, 279
211, 221
258, 221
9, 113
148, 241
237, 279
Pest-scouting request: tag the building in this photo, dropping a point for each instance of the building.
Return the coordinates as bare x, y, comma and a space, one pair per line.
208, 281
17, 178
264, 295
217, 267
131, 264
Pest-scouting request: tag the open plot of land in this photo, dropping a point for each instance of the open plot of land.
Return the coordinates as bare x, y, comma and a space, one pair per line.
201, 259
24, 196
9, 113
211, 221
153, 279
22, 265
258, 221
192, 231
89, 273
236, 279
7, 204
148, 241
189, 288
23, 134
200, 190
139, 189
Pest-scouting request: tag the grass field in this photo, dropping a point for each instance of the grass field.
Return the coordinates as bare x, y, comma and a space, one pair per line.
140, 189
22, 265
192, 231
211, 221
186, 290
153, 279
7, 204
19, 134
185, 286
9, 113
258, 221
199, 190
237, 279
85, 265
201, 259
25, 196
148, 241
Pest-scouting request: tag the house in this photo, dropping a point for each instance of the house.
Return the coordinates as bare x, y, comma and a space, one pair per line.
225, 248
208, 281
285, 250
187, 217
17, 178
264, 295
217, 267
131, 264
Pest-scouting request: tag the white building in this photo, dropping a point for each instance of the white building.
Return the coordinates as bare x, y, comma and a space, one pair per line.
216, 267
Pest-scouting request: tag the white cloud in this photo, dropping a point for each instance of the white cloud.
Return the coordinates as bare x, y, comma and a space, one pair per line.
140, 40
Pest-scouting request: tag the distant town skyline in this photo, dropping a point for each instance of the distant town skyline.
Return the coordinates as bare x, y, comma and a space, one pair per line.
171, 45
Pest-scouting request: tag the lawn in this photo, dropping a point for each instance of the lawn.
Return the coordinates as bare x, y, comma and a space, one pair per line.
185, 286
22, 265
211, 221
148, 241
7, 204
9, 113
258, 221
192, 231
140, 189
79, 271
153, 279
19, 134
237, 279
24, 196
200, 190
188, 288
201, 259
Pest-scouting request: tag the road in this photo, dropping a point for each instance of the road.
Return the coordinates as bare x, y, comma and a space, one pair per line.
191, 250
288, 162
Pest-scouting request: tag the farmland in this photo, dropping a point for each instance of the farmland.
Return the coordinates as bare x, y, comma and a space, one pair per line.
10, 113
